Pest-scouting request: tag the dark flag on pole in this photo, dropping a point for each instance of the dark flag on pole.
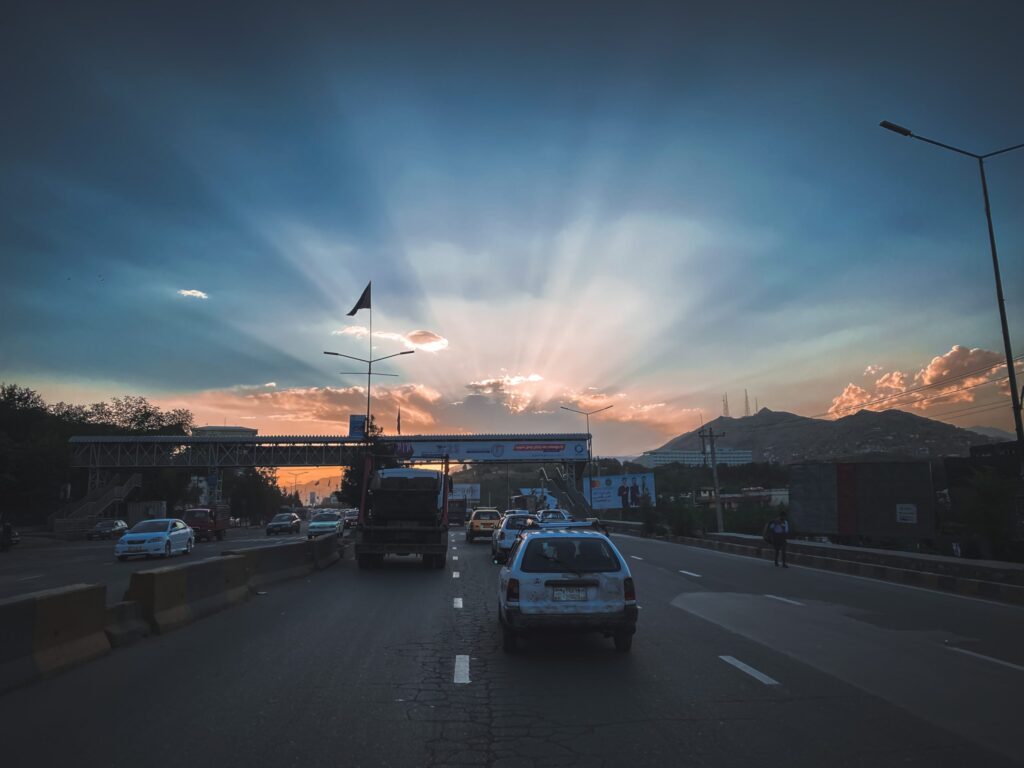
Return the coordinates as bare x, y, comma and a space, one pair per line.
364, 300
399, 419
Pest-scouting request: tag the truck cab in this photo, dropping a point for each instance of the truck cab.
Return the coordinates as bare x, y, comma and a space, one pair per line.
208, 522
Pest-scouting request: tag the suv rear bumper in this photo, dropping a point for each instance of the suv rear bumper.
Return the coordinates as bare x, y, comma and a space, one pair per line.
624, 621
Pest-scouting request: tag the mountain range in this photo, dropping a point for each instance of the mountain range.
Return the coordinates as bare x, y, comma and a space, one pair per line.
786, 437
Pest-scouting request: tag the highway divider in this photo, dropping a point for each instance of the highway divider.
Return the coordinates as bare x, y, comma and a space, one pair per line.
45, 632
176, 595
991, 590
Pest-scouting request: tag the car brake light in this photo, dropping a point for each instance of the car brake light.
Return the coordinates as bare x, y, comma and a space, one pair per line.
512, 591
628, 590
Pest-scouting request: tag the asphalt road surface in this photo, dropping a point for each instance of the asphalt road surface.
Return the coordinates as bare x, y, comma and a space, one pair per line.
735, 663
43, 564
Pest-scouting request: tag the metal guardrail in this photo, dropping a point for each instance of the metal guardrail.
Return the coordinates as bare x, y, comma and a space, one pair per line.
623, 526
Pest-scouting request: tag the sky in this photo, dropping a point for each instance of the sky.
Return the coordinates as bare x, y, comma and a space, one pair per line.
642, 205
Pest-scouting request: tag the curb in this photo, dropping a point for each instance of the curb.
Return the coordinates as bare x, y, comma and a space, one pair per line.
990, 590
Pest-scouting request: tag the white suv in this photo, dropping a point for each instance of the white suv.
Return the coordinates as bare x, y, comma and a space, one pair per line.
504, 537
568, 579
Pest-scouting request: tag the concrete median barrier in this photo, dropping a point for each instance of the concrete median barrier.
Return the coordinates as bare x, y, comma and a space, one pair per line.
326, 550
176, 595
45, 632
125, 624
277, 562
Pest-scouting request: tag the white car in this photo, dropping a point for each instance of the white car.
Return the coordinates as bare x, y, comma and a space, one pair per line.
566, 579
161, 537
554, 516
504, 537
325, 522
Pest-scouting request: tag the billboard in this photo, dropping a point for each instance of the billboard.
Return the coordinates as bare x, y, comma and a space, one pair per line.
622, 491
500, 450
468, 491
356, 426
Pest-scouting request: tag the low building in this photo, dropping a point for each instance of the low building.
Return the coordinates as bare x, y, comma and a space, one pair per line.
729, 456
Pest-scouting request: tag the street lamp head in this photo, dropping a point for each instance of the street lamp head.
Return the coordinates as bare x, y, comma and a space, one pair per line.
896, 128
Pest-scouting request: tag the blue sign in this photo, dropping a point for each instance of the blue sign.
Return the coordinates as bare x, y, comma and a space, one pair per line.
357, 427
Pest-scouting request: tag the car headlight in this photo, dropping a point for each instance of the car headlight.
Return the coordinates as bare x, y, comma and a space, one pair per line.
155, 540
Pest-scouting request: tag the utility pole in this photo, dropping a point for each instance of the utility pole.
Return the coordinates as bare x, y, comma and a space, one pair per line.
710, 435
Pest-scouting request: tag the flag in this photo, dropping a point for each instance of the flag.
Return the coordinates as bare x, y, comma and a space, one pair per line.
364, 300
399, 419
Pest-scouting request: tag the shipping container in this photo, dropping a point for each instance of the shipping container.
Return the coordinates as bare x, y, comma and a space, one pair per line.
882, 501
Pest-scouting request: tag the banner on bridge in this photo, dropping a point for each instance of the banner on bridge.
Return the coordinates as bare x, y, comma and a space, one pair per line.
510, 450
622, 491
468, 491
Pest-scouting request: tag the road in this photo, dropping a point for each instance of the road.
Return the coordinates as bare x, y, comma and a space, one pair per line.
359, 668
32, 565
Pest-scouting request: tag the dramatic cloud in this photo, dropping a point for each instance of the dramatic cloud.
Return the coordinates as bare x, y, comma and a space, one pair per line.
313, 410
517, 393
955, 377
425, 341
193, 294
872, 370
270, 384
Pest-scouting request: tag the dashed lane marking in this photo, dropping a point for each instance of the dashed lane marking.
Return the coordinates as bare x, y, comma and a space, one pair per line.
759, 676
455, 574
455, 557
636, 558
30, 578
784, 600
457, 602
461, 670
987, 658
691, 573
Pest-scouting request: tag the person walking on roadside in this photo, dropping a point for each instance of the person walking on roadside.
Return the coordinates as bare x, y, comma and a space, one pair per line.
778, 532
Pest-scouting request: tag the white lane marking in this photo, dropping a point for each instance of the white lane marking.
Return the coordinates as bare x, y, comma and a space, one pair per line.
455, 574
457, 602
691, 573
759, 676
455, 557
784, 599
461, 670
29, 578
877, 582
454, 547
636, 558
987, 658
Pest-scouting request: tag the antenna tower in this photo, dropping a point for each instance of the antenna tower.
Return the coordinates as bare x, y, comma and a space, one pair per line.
746, 403
725, 404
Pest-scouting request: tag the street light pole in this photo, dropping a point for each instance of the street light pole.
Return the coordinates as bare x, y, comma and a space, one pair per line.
590, 454
1015, 395
369, 373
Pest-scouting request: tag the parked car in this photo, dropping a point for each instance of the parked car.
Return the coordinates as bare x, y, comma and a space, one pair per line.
107, 529
569, 579
285, 522
325, 522
163, 536
505, 536
351, 517
482, 523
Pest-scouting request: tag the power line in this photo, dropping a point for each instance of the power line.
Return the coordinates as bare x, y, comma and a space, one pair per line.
987, 368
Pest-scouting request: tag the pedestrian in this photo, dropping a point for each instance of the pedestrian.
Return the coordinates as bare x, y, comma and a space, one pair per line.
623, 494
777, 531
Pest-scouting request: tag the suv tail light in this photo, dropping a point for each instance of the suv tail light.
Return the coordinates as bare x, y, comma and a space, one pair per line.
512, 591
628, 589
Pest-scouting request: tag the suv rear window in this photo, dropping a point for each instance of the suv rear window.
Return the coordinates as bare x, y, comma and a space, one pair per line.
583, 555
485, 515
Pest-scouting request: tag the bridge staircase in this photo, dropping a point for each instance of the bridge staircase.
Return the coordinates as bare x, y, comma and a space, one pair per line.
82, 513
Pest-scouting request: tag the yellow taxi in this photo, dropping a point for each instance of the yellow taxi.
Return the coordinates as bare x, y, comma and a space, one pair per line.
483, 522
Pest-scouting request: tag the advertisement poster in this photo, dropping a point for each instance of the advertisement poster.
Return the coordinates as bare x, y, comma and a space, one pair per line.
622, 491
468, 491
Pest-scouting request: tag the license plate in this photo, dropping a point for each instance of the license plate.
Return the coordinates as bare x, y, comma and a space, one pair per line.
569, 593
134, 549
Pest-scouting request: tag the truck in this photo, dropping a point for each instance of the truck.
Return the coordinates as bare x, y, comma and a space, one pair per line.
209, 522
405, 513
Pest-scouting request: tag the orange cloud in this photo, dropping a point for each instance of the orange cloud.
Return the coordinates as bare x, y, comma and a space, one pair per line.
954, 377
425, 341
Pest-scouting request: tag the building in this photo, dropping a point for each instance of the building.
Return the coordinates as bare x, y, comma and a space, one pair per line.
225, 433
728, 456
